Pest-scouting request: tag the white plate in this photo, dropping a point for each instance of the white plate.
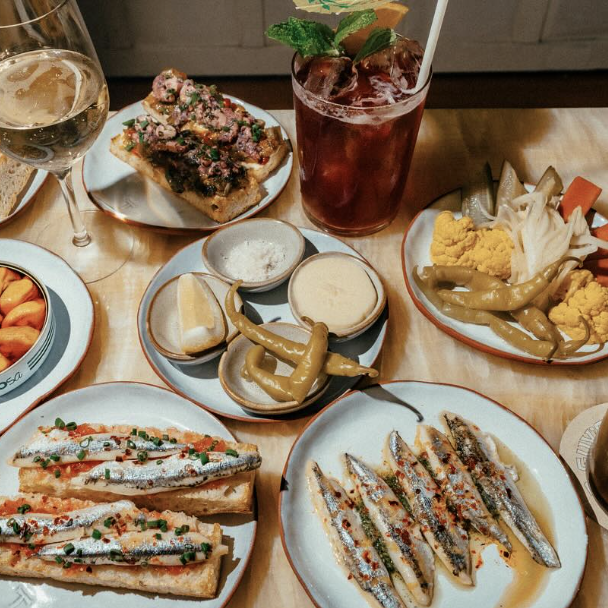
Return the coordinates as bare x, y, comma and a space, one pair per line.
201, 383
119, 190
359, 423
148, 405
74, 318
416, 252
27, 196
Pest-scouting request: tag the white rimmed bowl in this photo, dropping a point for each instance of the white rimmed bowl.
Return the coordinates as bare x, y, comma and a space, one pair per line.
246, 392
162, 321
217, 247
25, 367
347, 333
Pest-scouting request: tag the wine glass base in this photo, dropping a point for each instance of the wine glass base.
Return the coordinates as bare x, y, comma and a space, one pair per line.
110, 247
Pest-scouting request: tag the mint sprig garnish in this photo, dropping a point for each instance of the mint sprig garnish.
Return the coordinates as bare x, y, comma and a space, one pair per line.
353, 23
314, 39
309, 38
378, 39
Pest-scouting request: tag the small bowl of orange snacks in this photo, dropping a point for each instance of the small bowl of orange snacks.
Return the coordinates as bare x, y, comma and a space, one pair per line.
27, 326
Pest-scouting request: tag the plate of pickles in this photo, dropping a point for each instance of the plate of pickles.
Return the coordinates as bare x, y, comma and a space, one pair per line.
514, 269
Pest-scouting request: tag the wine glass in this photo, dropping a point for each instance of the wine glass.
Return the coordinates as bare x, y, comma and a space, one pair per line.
53, 104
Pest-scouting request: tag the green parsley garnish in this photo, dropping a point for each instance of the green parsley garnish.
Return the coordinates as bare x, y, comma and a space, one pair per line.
24, 508
109, 522
59, 423
81, 455
54, 457
182, 530
96, 534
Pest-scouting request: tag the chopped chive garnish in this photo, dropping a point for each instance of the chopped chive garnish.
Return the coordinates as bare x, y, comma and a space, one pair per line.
143, 434
27, 536
191, 451
37, 458
166, 437
129, 146
204, 458
69, 548
143, 525
59, 559
142, 456
79, 553
59, 423
129, 123
232, 453
116, 555
31, 546
107, 474
158, 536
130, 444
55, 457
67, 564
157, 441
108, 523
85, 442
71, 426
78, 561
57, 473
45, 463
24, 508
16, 527
133, 431
205, 548
96, 534
81, 455
173, 440
181, 531
159, 462
106, 444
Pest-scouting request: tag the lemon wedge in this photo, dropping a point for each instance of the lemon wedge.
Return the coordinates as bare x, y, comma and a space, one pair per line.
201, 320
389, 15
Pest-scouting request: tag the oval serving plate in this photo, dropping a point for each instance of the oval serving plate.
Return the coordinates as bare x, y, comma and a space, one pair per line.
415, 252
201, 383
347, 426
74, 322
120, 191
27, 197
148, 405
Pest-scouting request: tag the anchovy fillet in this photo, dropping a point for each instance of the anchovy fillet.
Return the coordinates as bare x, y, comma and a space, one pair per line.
449, 541
133, 549
43, 528
457, 485
489, 473
98, 446
403, 539
178, 471
351, 544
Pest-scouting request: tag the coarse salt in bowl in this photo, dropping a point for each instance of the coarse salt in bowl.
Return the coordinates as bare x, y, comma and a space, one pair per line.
261, 252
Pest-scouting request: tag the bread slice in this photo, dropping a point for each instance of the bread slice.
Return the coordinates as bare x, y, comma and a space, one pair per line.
196, 580
14, 177
219, 208
228, 495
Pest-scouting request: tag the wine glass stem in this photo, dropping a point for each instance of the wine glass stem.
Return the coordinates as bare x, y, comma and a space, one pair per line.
81, 237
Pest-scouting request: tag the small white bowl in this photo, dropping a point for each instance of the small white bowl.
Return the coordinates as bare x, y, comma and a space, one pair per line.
25, 367
246, 392
162, 321
347, 333
217, 247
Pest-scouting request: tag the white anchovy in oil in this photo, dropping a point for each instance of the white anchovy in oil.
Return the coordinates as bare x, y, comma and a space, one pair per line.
42, 528
154, 476
57, 445
134, 549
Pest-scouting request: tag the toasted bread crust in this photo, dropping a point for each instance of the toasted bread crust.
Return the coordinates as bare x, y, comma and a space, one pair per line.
197, 580
229, 495
219, 208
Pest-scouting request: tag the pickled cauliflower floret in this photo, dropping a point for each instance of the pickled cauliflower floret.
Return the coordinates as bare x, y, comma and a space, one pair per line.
583, 297
458, 243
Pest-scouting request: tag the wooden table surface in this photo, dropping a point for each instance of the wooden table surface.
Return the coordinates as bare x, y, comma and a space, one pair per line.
452, 145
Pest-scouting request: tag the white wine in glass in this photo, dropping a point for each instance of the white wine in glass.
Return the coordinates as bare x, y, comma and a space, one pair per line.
53, 104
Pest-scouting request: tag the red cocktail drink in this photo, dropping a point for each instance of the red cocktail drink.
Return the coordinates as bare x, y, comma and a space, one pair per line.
356, 132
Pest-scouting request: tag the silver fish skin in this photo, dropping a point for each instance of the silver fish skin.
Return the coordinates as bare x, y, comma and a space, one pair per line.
411, 555
498, 485
457, 485
449, 541
348, 539
134, 549
44, 528
99, 446
152, 477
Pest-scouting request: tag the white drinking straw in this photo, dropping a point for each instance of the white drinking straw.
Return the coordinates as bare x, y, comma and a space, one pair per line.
431, 45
